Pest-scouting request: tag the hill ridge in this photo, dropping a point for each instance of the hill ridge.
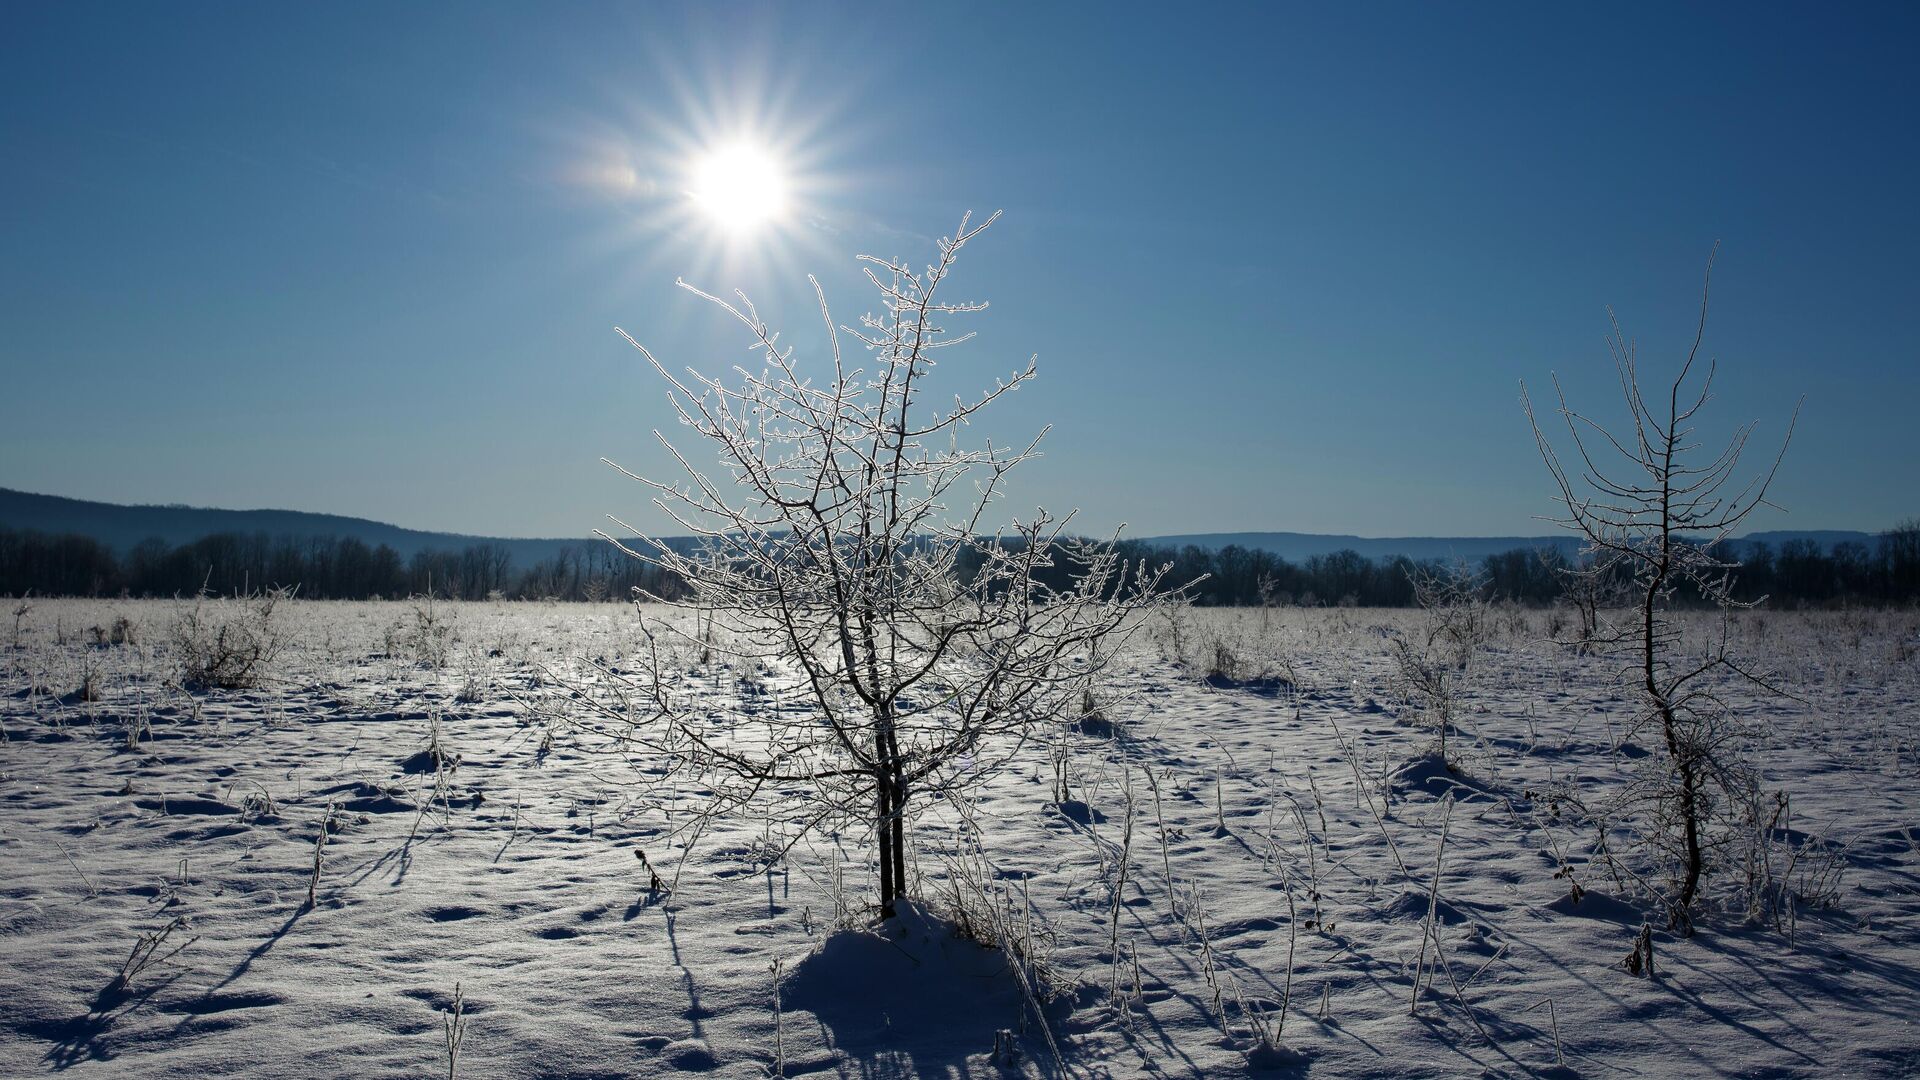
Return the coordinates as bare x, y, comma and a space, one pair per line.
121, 526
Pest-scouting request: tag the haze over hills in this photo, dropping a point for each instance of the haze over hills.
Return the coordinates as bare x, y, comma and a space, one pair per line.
121, 527
1299, 547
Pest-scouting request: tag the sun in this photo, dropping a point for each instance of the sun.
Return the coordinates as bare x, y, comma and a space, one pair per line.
740, 187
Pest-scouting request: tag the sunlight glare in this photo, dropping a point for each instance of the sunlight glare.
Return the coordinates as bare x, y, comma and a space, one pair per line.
740, 187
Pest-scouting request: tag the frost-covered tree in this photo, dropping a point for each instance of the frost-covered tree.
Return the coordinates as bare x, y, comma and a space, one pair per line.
1433, 662
1592, 590
1655, 508
844, 548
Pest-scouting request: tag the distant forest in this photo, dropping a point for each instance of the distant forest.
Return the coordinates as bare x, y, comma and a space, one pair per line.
323, 568
1799, 573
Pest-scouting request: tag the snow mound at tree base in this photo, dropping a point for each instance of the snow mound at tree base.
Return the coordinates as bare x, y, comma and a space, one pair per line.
1594, 905
1432, 773
910, 986
1270, 1058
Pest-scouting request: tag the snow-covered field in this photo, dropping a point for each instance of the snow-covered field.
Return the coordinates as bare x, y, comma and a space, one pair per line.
1279, 871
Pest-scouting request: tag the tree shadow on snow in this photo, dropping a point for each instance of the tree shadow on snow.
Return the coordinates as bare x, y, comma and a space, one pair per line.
913, 999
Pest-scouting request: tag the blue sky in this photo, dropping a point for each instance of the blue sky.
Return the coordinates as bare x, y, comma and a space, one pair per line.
1283, 266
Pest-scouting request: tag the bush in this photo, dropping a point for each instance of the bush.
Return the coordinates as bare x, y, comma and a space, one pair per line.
229, 644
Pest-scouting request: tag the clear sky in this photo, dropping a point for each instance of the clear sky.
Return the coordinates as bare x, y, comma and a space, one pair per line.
1284, 266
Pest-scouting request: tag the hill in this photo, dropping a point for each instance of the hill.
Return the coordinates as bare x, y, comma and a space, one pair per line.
121, 527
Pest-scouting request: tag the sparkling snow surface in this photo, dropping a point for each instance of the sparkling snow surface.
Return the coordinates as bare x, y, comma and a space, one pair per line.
518, 880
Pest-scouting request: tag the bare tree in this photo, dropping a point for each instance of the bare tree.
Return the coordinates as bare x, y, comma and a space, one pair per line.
841, 548
1900, 559
1654, 509
1592, 588
1433, 670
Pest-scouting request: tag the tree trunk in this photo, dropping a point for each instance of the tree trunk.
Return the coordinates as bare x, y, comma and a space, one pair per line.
883, 826
897, 852
1679, 753
1690, 808
890, 823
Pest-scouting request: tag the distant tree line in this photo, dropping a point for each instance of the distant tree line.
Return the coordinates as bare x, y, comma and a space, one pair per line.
1799, 573
323, 568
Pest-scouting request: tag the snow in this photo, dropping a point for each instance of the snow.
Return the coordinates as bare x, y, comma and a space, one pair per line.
505, 864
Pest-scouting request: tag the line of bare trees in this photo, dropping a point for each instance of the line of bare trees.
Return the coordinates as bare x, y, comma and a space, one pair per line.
1799, 573
324, 568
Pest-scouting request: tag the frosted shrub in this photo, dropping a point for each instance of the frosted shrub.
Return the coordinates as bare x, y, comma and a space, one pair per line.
1456, 617
1430, 684
1432, 663
229, 644
424, 634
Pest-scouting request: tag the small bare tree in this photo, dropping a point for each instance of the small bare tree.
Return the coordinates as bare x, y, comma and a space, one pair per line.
1458, 615
1654, 511
1433, 670
1592, 588
907, 652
